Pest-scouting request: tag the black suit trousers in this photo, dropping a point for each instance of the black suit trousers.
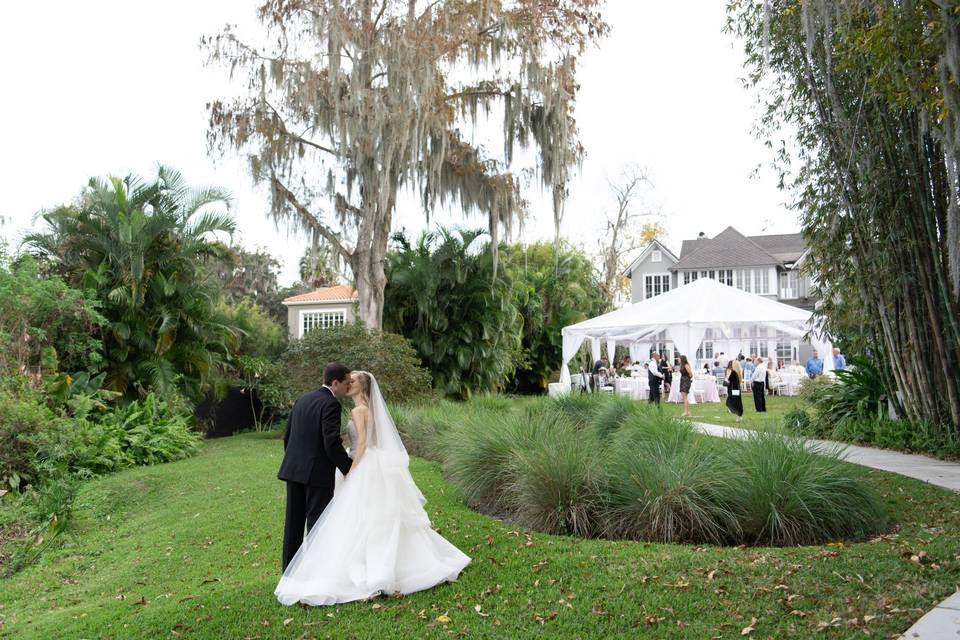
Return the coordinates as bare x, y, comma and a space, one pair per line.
654, 397
759, 400
304, 506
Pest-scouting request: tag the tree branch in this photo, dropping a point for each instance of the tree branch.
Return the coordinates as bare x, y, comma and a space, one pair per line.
311, 219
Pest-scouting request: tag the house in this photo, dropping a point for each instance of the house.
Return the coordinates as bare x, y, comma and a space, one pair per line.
765, 265
320, 308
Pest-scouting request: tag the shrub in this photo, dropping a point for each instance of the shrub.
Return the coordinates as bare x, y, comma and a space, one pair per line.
787, 494
388, 356
798, 421
23, 415
666, 484
259, 334
154, 430
144, 432
444, 294
551, 485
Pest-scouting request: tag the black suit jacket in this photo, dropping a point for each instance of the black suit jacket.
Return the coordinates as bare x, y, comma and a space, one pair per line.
312, 449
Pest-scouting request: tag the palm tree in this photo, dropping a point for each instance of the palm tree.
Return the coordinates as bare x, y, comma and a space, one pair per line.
142, 247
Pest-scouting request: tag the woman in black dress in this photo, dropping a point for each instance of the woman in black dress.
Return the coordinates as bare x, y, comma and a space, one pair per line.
734, 399
686, 379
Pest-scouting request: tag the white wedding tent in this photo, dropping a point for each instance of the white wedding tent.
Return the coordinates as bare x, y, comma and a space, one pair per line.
684, 315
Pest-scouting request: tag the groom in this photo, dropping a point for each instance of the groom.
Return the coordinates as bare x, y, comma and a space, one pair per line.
312, 451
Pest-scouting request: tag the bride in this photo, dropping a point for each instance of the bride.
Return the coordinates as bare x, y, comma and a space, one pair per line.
374, 537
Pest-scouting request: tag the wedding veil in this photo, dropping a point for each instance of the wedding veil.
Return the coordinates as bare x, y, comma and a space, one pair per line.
382, 434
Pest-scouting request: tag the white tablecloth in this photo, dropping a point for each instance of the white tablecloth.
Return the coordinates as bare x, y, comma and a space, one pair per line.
708, 386
791, 382
637, 387
555, 389
675, 391
705, 387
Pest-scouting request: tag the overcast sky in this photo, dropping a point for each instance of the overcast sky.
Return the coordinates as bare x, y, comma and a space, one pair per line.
116, 86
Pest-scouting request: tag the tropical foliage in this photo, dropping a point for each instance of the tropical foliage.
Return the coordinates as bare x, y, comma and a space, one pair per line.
140, 248
869, 94
554, 285
445, 296
45, 319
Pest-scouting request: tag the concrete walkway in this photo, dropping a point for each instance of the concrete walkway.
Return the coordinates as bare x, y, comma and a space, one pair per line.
943, 621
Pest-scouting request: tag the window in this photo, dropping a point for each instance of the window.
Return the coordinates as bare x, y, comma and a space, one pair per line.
743, 280
689, 276
785, 348
656, 256
661, 346
762, 277
322, 319
705, 352
655, 284
725, 276
789, 285
759, 344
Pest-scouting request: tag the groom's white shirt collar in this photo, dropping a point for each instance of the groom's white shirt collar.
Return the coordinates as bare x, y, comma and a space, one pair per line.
329, 389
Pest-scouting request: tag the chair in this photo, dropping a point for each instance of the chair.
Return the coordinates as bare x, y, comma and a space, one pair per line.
625, 391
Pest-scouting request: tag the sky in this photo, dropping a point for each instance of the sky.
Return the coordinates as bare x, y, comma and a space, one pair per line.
109, 87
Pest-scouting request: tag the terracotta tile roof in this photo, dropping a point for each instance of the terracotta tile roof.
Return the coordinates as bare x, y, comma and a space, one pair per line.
325, 294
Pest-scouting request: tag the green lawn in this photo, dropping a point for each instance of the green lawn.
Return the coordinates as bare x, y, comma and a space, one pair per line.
191, 549
777, 407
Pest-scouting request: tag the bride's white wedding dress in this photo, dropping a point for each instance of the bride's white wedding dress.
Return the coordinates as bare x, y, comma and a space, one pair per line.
374, 537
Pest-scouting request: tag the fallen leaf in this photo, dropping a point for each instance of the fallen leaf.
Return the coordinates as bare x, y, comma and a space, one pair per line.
479, 611
711, 574
749, 629
287, 621
443, 618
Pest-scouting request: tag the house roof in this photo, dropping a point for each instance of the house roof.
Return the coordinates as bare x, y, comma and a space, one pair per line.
786, 247
643, 256
730, 248
338, 293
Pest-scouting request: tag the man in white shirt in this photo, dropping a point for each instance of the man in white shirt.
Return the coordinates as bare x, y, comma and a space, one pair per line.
654, 378
723, 360
759, 380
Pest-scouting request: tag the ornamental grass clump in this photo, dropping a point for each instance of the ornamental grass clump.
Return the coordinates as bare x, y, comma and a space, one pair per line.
481, 448
786, 494
579, 408
610, 414
552, 481
424, 428
666, 484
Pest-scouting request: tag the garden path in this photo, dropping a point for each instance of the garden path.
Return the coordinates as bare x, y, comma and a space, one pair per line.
943, 621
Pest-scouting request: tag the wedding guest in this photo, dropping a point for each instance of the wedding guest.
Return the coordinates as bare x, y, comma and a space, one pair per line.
654, 378
738, 367
759, 380
814, 365
839, 361
667, 372
718, 369
686, 380
748, 366
732, 382
724, 360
